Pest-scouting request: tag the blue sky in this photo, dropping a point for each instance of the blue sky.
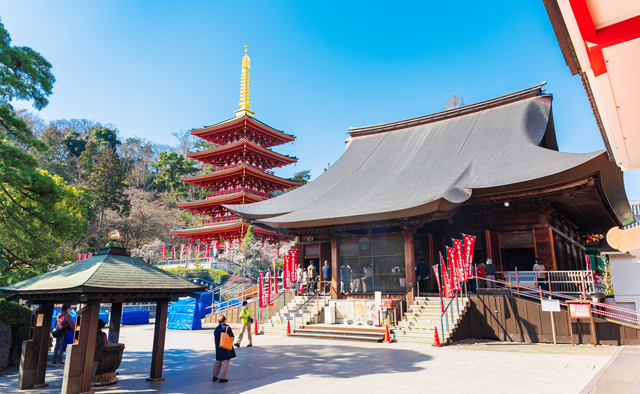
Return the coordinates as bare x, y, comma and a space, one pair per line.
152, 68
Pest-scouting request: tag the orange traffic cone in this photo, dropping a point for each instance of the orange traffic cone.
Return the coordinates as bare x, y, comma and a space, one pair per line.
387, 337
436, 339
288, 327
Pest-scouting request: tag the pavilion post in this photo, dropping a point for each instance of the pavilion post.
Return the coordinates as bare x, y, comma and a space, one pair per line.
335, 269
409, 265
33, 361
79, 359
114, 322
157, 356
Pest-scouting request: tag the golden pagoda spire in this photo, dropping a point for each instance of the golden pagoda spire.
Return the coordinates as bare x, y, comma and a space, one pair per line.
245, 87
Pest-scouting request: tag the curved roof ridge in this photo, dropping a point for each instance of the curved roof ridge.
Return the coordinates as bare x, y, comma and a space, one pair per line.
449, 113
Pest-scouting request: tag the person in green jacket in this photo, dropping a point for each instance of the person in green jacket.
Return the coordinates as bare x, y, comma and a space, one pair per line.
245, 315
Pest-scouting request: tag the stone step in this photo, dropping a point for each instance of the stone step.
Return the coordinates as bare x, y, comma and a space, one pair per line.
340, 336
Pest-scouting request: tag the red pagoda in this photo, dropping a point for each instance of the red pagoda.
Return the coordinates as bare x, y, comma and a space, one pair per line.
242, 159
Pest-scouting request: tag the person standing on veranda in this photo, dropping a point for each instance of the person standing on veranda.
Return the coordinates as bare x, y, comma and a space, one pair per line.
326, 275
311, 274
541, 274
245, 316
223, 356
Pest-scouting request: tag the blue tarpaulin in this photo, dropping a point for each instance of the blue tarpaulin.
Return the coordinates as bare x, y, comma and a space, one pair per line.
225, 304
185, 314
134, 316
72, 312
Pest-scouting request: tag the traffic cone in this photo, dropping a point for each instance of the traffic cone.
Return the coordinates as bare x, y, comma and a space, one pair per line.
387, 337
288, 327
436, 339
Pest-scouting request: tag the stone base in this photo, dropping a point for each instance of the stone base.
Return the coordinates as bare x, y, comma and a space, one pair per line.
106, 379
156, 379
40, 386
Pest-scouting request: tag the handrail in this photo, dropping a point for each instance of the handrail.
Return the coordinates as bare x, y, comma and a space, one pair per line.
531, 291
316, 296
393, 310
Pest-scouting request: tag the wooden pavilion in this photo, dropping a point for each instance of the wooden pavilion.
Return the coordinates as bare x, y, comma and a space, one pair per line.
403, 189
110, 276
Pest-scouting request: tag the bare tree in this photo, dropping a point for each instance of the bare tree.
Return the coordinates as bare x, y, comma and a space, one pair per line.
454, 102
185, 140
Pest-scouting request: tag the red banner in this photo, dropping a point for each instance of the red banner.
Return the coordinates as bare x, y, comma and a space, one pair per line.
462, 266
445, 280
78, 258
164, 252
435, 269
261, 290
293, 267
207, 254
182, 252
454, 276
286, 277
90, 254
226, 246
275, 274
215, 245
173, 254
469, 243
198, 250
270, 297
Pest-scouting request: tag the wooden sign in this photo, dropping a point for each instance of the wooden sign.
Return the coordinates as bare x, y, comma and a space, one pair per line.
581, 310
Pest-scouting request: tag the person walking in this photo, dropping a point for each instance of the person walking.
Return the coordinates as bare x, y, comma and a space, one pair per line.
311, 274
541, 275
326, 274
223, 356
422, 275
65, 321
101, 342
490, 271
245, 315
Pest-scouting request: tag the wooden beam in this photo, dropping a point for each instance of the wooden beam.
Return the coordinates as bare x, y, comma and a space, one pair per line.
33, 361
79, 358
335, 269
159, 333
409, 264
114, 322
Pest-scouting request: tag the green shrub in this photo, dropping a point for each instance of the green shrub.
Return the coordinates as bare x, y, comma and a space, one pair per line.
216, 277
16, 316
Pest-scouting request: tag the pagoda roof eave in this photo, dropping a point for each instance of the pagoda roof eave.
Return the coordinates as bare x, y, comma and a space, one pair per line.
220, 228
236, 145
240, 119
218, 200
232, 171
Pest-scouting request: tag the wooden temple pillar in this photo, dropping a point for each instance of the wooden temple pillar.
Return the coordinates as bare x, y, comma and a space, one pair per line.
409, 265
335, 270
79, 359
33, 361
114, 322
159, 333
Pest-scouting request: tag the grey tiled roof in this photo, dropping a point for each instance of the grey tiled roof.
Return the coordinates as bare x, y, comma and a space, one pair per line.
411, 169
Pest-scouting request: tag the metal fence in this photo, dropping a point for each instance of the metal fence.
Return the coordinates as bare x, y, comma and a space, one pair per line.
567, 282
202, 263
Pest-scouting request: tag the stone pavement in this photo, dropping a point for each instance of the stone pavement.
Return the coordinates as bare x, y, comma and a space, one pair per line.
297, 365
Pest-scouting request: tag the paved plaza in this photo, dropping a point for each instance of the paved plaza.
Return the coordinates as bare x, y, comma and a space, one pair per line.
296, 365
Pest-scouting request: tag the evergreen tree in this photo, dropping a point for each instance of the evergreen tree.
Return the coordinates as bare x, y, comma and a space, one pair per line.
107, 188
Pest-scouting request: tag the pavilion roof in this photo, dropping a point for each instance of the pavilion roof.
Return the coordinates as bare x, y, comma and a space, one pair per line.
434, 163
111, 270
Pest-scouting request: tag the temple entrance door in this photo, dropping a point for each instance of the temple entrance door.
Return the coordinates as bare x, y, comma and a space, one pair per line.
520, 258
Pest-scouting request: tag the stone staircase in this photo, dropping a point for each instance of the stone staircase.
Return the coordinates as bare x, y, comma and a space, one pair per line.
423, 316
311, 313
340, 332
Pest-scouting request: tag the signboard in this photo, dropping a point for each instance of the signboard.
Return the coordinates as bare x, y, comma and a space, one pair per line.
378, 297
550, 305
578, 311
